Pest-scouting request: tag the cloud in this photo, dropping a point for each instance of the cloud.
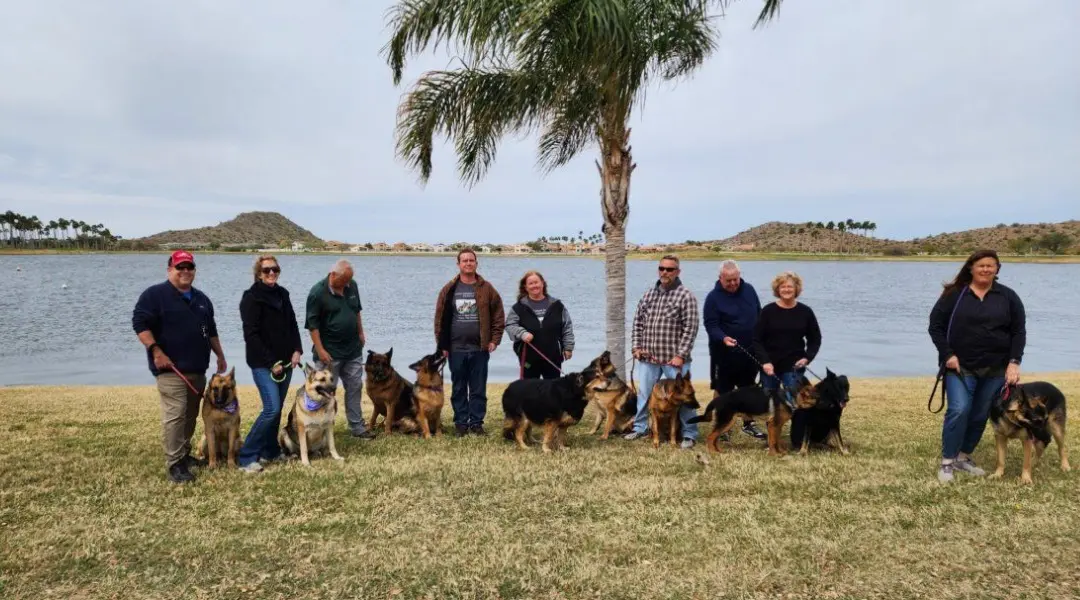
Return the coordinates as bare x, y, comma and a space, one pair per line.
154, 116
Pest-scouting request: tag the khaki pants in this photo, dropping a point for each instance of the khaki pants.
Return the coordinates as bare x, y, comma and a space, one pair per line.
179, 413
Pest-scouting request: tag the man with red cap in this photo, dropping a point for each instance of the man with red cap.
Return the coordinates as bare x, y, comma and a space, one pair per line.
175, 322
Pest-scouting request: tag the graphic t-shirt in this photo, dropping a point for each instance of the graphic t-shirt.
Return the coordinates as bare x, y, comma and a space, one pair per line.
540, 308
465, 327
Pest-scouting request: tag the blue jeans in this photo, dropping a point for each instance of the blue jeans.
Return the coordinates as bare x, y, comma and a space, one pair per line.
969, 398
790, 382
468, 396
647, 374
261, 440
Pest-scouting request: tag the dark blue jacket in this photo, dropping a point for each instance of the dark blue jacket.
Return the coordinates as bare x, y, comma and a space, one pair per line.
182, 329
731, 315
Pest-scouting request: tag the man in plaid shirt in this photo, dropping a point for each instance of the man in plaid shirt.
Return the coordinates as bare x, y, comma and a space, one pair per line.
665, 325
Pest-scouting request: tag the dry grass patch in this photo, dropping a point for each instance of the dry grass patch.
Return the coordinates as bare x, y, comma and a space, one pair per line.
86, 511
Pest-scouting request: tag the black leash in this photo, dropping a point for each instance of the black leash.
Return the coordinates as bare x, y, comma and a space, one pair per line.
930, 400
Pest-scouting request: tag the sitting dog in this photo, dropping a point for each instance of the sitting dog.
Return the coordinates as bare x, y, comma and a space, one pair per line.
310, 424
616, 402
667, 398
221, 419
1033, 412
821, 423
555, 403
428, 393
754, 402
391, 395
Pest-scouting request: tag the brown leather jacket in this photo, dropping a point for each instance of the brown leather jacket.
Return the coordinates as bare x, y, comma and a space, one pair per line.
489, 303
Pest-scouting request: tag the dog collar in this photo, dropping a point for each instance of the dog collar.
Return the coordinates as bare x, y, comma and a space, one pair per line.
310, 404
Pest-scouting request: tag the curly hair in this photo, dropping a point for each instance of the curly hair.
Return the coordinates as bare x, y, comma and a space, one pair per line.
521, 284
785, 277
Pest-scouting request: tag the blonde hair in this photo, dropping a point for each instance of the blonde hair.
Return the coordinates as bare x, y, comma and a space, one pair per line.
521, 285
785, 277
259, 261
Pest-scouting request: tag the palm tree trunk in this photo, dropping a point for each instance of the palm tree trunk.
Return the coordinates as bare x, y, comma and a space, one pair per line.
615, 166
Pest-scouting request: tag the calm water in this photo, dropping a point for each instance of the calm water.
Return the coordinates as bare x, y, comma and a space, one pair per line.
873, 315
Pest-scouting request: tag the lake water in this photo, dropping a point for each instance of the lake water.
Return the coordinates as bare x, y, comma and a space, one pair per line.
873, 315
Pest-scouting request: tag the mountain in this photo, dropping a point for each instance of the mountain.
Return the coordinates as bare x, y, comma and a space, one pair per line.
261, 229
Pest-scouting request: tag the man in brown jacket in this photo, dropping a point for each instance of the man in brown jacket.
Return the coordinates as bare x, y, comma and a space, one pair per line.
469, 323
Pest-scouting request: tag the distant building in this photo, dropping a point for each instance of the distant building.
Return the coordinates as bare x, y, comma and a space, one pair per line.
380, 247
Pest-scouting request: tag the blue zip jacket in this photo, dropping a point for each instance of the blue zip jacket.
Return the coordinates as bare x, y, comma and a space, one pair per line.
180, 327
731, 315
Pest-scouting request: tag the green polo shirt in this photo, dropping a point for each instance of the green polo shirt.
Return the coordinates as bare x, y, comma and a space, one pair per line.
335, 318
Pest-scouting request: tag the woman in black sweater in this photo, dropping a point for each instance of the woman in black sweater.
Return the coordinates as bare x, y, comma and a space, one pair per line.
979, 328
272, 344
786, 339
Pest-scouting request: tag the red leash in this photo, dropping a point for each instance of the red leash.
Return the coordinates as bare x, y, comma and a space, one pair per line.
185, 380
521, 372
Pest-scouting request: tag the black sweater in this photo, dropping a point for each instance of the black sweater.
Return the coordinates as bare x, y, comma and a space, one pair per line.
986, 333
182, 328
270, 330
782, 336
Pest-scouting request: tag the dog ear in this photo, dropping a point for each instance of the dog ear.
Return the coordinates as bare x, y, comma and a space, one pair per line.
308, 370
416, 365
390, 353
232, 372
829, 374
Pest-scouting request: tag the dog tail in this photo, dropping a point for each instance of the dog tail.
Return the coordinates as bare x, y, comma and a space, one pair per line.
709, 410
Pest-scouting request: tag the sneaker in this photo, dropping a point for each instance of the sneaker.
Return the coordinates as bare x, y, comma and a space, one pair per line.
179, 473
945, 473
252, 467
461, 430
364, 435
752, 430
635, 435
477, 430
968, 465
687, 444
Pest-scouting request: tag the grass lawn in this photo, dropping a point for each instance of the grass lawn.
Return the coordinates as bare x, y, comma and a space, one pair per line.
86, 512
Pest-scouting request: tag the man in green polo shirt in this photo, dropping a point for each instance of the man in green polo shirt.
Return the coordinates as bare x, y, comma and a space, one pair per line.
337, 337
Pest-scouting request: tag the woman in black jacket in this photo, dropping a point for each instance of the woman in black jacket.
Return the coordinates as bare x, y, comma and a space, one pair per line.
545, 324
272, 344
979, 328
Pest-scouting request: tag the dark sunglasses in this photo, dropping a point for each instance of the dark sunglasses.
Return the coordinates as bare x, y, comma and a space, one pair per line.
269, 270
184, 267
669, 269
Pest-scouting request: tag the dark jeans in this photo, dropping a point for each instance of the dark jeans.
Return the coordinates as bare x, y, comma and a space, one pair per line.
731, 369
969, 400
468, 372
261, 440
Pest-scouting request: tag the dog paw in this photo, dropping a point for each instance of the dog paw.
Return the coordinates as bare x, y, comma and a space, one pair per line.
996, 475
1025, 479
1065, 468
339, 458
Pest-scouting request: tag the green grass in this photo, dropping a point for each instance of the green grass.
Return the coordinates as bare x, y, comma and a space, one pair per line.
86, 512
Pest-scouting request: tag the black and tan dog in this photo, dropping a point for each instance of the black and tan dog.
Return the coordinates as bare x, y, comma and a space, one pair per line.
667, 398
1033, 412
221, 420
822, 420
310, 425
616, 402
390, 393
754, 402
428, 393
554, 403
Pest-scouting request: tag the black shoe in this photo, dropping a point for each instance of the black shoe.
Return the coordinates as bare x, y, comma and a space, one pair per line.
179, 473
477, 430
751, 430
364, 435
191, 462
461, 430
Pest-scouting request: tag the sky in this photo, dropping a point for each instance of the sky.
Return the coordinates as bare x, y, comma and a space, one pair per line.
157, 115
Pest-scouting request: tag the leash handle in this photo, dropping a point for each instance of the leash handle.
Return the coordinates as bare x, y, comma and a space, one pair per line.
940, 380
285, 366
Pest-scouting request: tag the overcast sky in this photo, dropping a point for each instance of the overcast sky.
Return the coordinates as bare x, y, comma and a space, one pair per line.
922, 116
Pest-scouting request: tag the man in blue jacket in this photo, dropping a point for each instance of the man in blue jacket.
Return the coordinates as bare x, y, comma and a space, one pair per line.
175, 322
730, 313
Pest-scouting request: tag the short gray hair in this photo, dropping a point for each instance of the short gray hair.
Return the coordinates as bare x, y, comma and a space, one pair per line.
341, 266
730, 265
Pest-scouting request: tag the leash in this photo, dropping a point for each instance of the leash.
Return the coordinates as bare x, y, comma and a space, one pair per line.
538, 352
941, 371
185, 380
285, 367
930, 400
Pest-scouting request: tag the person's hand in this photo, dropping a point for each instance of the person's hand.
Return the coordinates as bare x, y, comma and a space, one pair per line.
324, 356
953, 364
1012, 374
295, 360
491, 347
730, 342
526, 337
567, 354
446, 354
802, 362
161, 361
768, 369
221, 364
276, 369
640, 354
677, 362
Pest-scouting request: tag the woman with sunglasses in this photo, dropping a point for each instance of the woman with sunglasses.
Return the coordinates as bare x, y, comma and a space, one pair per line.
272, 344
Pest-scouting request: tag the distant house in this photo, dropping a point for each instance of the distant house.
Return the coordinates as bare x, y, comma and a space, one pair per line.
630, 246
486, 248
380, 247
520, 249
357, 248
400, 247
421, 247
596, 249
297, 247
440, 248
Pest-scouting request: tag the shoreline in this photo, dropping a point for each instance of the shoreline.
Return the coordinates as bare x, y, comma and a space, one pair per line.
690, 256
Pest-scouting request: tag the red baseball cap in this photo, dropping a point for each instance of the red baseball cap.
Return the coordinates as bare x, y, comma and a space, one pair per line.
180, 257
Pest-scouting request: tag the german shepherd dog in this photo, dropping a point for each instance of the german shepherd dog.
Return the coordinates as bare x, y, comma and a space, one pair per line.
555, 403
754, 402
1033, 412
428, 393
310, 424
823, 419
221, 419
391, 395
616, 402
667, 398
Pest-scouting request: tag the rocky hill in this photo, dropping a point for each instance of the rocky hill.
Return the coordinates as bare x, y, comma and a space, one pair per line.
260, 229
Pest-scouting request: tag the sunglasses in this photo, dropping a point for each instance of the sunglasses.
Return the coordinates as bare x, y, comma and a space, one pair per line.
184, 267
669, 269
269, 270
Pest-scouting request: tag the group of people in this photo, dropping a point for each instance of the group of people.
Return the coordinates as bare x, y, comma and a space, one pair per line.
977, 325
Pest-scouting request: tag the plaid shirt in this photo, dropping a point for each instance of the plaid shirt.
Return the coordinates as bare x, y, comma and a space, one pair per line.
666, 323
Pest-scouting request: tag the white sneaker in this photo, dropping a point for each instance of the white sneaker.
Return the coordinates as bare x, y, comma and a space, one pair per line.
945, 473
635, 435
687, 444
968, 465
252, 467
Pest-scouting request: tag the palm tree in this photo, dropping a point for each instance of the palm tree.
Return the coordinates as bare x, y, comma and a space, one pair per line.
842, 227
63, 223
570, 69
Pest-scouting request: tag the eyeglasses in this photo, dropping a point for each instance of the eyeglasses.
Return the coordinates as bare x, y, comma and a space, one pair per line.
184, 267
269, 270
669, 269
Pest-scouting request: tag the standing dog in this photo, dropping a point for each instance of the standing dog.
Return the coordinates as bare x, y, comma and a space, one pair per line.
555, 403
612, 398
1033, 412
310, 424
428, 393
391, 395
667, 397
221, 419
754, 402
830, 397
